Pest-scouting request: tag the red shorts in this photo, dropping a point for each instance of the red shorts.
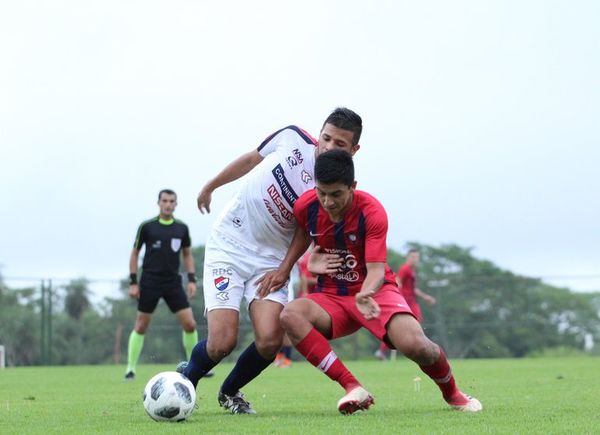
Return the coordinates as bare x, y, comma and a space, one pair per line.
346, 319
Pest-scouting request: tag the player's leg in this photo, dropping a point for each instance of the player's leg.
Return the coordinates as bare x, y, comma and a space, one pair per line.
223, 288
284, 356
382, 351
222, 339
307, 324
406, 334
136, 343
261, 353
190, 333
285, 353
178, 303
264, 314
149, 297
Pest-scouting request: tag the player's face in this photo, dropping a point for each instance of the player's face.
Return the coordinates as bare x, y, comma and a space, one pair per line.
335, 198
414, 258
167, 204
332, 138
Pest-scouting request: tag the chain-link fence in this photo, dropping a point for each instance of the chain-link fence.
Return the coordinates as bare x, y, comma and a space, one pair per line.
86, 321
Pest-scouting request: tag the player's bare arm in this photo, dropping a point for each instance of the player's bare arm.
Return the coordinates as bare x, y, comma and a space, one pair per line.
425, 296
134, 289
372, 283
322, 263
188, 262
234, 170
276, 279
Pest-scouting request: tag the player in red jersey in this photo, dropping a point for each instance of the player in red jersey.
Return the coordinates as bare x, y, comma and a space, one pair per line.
307, 279
359, 293
407, 281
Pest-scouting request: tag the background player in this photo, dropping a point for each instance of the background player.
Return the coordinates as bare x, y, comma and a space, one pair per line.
165, 239
362, 293
406, 279
249, 238
307, 279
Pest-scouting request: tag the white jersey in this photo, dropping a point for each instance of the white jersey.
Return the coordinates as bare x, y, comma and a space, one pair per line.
260, 215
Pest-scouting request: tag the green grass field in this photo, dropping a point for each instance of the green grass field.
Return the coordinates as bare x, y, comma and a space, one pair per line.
545, 396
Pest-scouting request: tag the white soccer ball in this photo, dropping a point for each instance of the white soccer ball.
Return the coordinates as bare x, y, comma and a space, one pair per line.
169, 396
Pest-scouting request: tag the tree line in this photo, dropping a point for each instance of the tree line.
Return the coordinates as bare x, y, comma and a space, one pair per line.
482, 312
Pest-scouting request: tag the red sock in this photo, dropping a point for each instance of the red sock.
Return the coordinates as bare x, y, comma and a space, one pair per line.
441, 374
317, 351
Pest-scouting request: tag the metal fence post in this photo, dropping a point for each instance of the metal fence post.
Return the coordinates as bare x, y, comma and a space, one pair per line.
43, 323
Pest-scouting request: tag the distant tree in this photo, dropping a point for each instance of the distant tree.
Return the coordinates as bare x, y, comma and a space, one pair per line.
77, 298
484, 311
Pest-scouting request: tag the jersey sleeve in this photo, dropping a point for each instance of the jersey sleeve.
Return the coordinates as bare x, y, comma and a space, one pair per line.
279, 138
140, 237
376, 234
187, 241
300, 208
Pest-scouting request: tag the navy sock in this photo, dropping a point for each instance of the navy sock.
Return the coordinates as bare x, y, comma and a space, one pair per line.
199, 364
248, 366
287, 351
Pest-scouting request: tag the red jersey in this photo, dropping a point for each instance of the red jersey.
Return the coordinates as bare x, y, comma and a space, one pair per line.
303, 265
360, 238
303, 268
408, 282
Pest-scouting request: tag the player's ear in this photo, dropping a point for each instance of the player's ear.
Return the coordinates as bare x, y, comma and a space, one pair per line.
355, 148
353, 185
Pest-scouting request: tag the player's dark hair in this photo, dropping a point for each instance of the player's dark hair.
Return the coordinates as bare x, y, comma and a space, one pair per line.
167, 191
412, 250
335, 166
346, 119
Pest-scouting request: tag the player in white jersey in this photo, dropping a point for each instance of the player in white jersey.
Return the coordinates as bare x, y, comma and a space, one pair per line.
251, 237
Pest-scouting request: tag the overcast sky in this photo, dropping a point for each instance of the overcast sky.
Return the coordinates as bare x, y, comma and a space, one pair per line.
481, 120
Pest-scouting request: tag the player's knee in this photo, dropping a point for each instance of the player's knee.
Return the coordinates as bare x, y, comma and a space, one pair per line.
421, 350
289, 317
269, 346
189, 326
141, 327
221, 347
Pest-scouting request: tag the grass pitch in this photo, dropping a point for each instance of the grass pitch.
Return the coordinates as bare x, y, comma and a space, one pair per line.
544, 396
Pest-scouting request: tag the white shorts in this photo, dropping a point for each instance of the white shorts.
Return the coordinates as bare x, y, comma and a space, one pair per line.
230, 273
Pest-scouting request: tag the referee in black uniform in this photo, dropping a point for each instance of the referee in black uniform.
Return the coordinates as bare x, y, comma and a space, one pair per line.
165, 238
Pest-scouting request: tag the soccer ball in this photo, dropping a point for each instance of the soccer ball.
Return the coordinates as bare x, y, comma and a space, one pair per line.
169, 396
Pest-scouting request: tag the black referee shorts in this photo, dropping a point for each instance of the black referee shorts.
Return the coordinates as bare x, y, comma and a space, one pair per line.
171, 290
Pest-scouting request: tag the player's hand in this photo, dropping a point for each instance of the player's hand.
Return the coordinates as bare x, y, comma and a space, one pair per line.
429, 299
271, 282
367, 305
204, 199
134, 291
191, 289
321, 263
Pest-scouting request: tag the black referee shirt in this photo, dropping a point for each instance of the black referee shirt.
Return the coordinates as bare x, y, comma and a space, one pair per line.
163, 240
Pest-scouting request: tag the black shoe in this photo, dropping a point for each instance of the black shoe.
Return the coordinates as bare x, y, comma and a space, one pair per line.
181, 367
129, 376
235, 404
